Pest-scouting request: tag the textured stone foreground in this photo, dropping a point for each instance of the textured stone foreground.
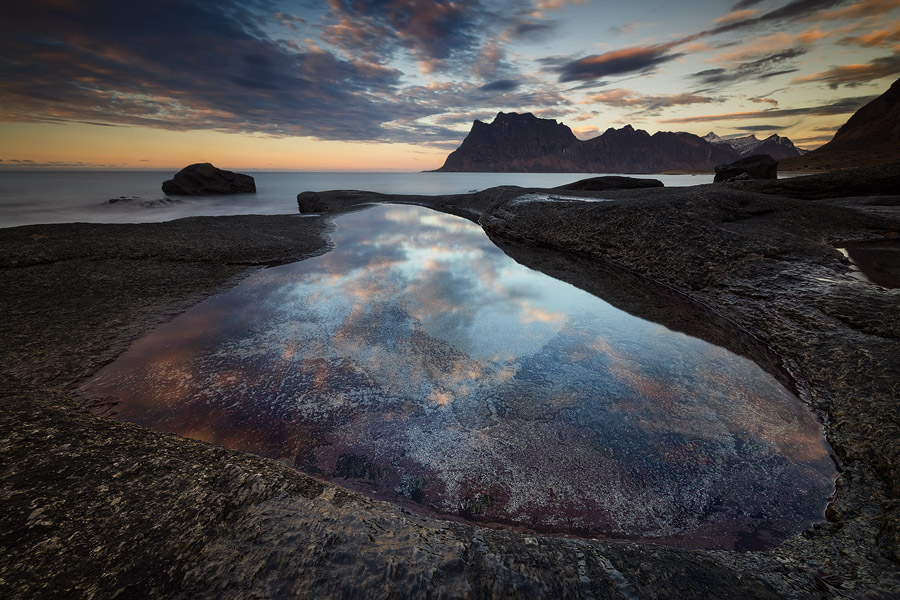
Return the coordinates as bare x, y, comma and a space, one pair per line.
96, 508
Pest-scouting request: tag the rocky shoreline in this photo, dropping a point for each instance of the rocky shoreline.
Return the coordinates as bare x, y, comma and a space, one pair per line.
96, 508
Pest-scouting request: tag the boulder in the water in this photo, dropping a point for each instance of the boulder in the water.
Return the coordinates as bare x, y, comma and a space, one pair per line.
203, 179
758, 166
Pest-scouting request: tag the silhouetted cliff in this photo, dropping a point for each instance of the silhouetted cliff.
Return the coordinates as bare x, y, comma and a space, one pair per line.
527, 144
871, 136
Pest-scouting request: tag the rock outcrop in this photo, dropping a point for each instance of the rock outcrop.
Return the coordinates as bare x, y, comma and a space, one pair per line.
203, 179
758, 166
102, 508
526, 144
609, 182
875, 180
514, 143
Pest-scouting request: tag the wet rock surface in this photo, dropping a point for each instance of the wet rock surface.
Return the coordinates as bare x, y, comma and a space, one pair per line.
94, 508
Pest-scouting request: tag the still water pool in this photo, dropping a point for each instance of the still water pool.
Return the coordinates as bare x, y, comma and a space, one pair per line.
418, 363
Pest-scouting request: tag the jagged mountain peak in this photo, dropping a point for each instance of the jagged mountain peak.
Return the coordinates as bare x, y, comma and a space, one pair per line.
525, 143
511, 117
777, 146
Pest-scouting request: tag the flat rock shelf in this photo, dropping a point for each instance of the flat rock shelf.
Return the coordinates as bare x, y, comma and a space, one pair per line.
418, 363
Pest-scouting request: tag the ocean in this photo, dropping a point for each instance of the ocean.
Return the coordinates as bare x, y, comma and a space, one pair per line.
32, 197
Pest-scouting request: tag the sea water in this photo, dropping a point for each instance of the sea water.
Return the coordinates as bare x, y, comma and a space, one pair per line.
32, 197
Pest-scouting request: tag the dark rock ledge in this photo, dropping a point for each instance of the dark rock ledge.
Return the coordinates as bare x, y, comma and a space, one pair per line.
95, 508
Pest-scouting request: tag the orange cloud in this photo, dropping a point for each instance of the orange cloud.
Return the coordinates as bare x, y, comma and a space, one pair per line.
777, 42
619, 62
696, 47
617, 96
876, 39
759, 47
545, 5
626, 98
534, 314
886, 66
859, 10
556, 4
749, 114
812, 35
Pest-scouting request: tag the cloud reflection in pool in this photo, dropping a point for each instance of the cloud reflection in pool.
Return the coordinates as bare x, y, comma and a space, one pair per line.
417, 362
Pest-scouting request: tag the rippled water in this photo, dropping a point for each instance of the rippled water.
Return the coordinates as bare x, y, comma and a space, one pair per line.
418, 363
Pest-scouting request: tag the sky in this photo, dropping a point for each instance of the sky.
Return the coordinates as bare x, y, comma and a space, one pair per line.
395, 84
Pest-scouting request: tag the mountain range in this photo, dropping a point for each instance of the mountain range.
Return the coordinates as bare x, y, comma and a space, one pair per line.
776, 146
525, 143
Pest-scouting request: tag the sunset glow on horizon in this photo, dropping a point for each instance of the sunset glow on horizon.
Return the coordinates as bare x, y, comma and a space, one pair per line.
396, 84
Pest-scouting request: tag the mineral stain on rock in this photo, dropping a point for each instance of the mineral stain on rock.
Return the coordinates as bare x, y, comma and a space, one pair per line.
416, 362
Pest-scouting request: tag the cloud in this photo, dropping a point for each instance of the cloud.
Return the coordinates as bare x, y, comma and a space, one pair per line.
818, 140
434, 33
764, 67
501, 85
754, 128
838, 107
290, 21
737, 15
856, 74
796, 9
744, 4
864, 9
532, 29
491, 62
623, 98
757, 48
644, 59
617, 62
880, 38
57, 164
441, 102
99, 62
774, 44
556, 4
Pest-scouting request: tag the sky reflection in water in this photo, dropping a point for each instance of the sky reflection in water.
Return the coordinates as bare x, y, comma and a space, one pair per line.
416, 361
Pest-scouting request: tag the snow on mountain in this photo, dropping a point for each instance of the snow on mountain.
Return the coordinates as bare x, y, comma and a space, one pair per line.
744, 145
776, 146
